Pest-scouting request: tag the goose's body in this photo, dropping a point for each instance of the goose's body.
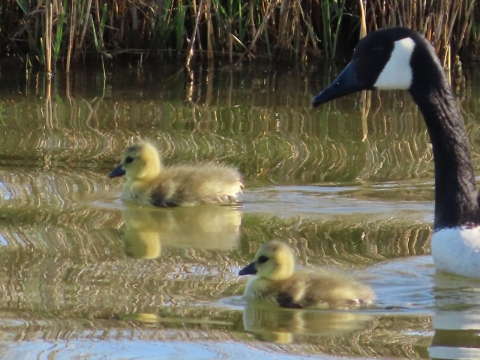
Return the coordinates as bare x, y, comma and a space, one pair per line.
278, 282
149, 183
400, 58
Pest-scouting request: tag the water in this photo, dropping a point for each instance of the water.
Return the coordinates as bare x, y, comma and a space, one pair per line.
348, 185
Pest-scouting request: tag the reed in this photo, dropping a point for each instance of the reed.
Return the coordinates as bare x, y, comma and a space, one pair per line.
448, 24
68, 31
71, 36
59, 30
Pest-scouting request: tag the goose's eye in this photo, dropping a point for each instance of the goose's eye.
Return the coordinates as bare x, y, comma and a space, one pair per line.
262, 259
378, 48
129, 160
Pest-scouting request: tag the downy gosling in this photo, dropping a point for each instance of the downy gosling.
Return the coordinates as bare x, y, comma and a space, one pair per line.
278, 282
150, 183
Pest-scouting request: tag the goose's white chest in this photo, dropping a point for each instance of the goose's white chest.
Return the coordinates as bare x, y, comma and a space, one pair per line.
457, 251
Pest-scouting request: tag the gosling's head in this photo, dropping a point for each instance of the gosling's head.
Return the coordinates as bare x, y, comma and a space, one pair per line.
274, 261
140, 161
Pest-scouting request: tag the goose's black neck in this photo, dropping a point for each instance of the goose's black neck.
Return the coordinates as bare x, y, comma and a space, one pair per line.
456, 197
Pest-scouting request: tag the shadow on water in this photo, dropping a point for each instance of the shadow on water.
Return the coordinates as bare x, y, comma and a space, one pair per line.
349, 186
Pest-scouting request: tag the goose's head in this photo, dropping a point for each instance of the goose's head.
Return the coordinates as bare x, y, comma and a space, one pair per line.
140, 161
274, 261
395, 58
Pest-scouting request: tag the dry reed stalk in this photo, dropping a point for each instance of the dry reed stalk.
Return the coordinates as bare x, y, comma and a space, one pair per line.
85, 24
195, 12
208, 17
225, 26
283, 28
303, 56
252, 23
445, 23
376, 16
122, 23
48, 39
466, 25
194, 34
268, 13
310, 32
363, 20
133, 12
99, 20
72, 33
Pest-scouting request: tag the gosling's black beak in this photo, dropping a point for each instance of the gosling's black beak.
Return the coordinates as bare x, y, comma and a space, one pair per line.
118, 171
346, 83
248, 270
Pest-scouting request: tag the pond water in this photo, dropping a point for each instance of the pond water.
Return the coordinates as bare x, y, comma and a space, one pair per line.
348, 185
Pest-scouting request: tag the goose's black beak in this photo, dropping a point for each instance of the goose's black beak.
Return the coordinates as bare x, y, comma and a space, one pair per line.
346, 83
248, 270
118, 171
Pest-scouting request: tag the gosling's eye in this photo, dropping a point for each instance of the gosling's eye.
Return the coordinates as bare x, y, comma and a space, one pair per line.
262, 259
129, 160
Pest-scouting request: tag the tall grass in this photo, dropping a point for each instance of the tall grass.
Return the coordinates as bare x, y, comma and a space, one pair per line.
448, 24
62, 32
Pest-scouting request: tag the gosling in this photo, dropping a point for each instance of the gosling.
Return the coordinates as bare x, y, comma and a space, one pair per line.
278, 282
149, 183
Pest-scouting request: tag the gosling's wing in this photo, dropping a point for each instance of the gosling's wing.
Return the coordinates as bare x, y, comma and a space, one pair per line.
161, 202
162, 194
289, 293
287, 301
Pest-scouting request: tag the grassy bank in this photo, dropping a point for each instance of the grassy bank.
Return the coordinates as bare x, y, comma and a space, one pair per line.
62, 32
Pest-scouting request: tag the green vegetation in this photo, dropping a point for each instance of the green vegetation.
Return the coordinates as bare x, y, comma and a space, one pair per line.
53, 32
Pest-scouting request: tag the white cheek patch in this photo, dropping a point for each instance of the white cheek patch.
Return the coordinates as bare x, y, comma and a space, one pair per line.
397, 73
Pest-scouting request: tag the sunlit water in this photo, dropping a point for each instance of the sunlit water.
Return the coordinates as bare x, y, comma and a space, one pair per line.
349, 186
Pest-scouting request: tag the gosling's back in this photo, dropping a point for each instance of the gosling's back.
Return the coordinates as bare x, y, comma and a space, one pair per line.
196, 184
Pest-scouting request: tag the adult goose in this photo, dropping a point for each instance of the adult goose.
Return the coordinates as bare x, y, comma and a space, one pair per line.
400, 58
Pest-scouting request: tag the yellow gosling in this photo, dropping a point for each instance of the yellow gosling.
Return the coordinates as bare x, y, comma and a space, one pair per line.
278, 282
149, 183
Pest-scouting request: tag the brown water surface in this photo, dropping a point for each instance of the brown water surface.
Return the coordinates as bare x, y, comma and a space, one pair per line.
348, 185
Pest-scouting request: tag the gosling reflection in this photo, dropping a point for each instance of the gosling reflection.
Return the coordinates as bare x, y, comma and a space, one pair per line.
146, 318
278, 282
281, 325
205, 227
143, 244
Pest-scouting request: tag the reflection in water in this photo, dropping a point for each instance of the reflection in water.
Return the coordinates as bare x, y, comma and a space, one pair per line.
457, 319
457, 335
141, 317
65, 277
275, 324
257, 120
204, 227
